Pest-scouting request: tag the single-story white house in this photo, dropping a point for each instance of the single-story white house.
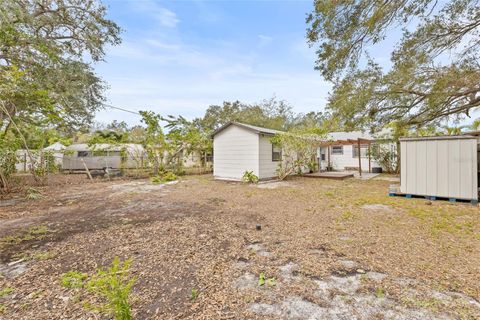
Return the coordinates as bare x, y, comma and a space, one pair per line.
103, 155
24, 164
344, 155
56, 150
239, 147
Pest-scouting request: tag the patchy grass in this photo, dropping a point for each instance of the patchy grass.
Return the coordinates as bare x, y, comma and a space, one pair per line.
5, 292
33, 233
73, 279
451, 219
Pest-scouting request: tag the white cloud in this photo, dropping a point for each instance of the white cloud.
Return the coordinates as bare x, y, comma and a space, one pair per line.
264, 40
167, 18
164, 16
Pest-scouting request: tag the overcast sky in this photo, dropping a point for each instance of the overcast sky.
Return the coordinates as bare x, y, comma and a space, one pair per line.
179, 57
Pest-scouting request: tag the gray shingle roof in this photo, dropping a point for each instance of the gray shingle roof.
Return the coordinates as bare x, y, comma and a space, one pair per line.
248, 127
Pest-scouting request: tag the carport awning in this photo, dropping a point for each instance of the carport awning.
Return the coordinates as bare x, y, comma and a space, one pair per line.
344, 142
358, 142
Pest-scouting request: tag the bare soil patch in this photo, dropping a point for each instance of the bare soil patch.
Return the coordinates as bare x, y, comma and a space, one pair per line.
321, 250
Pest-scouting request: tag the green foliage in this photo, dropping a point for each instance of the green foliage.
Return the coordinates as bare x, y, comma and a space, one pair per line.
6, 291
262, 280
33, 194
73, 279
379, 292
434, 65
47, 82
164, 177
249, 177
299, 149
114, 285
194, 294
386, 157
33, 233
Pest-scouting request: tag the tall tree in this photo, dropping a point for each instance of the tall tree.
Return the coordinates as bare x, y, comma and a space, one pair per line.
434, 72
47, 48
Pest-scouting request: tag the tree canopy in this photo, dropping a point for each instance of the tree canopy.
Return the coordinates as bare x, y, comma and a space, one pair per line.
434, 70
46, 53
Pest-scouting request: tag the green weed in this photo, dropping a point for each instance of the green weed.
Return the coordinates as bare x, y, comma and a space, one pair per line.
380, 293
73, 279
33, 194
262, 280
250, 177
5, 292
114, 285
194, 294
34, 233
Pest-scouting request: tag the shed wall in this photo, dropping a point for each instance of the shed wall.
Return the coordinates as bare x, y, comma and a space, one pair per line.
267, 167
441, 168
235, 150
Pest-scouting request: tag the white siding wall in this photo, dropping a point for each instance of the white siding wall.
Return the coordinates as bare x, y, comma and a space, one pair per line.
441, 168
235, 150
341, 161
267, 167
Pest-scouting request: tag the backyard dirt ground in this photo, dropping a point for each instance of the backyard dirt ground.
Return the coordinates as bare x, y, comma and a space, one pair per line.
327, 250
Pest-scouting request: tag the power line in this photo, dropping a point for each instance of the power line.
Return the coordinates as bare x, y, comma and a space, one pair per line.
121, 109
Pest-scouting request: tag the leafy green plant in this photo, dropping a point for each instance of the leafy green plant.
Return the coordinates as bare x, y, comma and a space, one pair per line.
249, 177
73, 279
194, 294
164, 177
379, 292
262, 280
114, 285
169, 176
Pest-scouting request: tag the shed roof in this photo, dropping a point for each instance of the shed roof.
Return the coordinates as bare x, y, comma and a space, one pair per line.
456, 137
255, 129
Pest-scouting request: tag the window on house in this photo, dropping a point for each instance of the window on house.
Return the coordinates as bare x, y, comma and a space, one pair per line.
276, 152
83, 154
363, 151
337, 149
99, 153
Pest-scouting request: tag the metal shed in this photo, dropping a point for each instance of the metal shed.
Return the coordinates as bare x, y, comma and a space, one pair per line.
444, 167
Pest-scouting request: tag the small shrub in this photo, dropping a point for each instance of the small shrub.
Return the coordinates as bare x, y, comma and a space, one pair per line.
156, 179
33, 194
164, 177
73, 279
114, 285
169, 176
250, 177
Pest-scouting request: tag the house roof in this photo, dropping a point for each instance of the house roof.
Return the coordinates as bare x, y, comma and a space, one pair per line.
352, 135
255, 129
57, 146
105, 146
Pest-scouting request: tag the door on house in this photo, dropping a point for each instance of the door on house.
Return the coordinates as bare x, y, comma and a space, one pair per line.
322, 157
